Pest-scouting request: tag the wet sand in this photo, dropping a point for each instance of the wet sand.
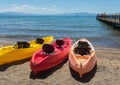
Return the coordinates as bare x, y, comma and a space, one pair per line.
106, 72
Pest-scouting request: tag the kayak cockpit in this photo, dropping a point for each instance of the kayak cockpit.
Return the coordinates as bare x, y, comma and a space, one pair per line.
21, 44
82, 48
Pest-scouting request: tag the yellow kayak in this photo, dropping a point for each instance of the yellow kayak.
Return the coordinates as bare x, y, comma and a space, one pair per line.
22, 50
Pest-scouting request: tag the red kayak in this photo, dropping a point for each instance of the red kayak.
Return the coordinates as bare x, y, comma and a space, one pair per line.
50, 55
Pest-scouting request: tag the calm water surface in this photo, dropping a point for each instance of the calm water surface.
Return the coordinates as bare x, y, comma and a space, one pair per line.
25, 28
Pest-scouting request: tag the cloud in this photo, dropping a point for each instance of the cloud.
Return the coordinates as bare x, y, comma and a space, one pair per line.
27, 7
14, 5
53, 6
43, 9
21, 8
50, 9
30, 9
53, 9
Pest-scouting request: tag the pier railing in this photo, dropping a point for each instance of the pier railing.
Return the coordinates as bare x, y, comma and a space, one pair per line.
110, 19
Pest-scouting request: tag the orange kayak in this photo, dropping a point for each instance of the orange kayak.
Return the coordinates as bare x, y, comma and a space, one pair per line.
50, 55
82, 57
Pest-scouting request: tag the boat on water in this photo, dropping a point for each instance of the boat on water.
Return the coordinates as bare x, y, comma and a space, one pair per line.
82, 56
22, 49
50, 55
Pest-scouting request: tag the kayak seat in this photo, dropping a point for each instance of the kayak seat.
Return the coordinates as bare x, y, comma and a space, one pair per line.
39, 40
22, 45
83, 48
59, 43
82, 51
83, 44
47, 48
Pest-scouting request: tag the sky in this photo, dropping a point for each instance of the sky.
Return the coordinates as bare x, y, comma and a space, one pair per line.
60, 6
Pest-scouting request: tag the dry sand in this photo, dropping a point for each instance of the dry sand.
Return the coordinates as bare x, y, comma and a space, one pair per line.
106, 72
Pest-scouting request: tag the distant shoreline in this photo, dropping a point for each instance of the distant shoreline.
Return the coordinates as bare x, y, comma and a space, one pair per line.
31, 14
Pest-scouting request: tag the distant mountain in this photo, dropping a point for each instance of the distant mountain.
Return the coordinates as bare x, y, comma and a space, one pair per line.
80, 14
64, 14
16, 13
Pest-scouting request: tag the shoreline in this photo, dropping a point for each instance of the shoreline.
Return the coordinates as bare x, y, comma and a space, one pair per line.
107, 72
95, 44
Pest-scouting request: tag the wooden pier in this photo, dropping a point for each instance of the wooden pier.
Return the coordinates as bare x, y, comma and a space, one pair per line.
110, 19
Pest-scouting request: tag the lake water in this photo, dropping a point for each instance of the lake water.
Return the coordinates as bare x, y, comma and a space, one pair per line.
25, 28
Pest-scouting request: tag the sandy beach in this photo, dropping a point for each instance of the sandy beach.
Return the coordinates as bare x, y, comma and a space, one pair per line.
106, 72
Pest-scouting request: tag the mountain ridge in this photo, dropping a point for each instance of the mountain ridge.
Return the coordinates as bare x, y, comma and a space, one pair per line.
62, 14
